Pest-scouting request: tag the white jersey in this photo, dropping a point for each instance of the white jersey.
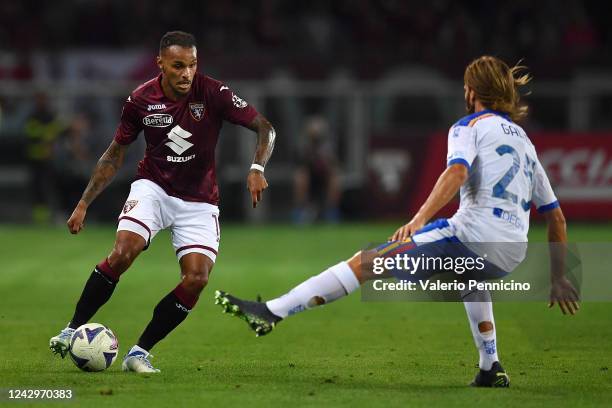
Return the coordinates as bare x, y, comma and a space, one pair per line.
505, 179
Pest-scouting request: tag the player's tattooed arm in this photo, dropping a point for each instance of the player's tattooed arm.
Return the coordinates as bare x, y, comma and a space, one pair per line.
105, 170
266, 136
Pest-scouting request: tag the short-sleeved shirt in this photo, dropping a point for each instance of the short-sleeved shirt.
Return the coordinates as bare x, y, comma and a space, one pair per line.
505, 178
181, 135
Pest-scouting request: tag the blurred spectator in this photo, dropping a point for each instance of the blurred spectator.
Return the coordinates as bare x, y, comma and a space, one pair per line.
580, 37
17, 67
251, 38
13, 112
41, 130
72, 159
22, 71
316, 180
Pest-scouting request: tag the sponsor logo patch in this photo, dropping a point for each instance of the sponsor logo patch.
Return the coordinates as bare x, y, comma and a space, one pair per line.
158, 120
178, 140
127, 207
156, 107
197, 110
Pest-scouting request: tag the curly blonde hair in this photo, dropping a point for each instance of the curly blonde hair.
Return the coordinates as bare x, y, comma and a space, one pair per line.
496, 85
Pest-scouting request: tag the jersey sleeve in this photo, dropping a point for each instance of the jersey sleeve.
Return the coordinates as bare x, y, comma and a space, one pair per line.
461, 146
233, 108
543, 196
130, 124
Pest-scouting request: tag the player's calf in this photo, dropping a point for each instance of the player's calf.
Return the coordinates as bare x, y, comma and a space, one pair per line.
176, 305
103, 280
485, 328
167, 315
97, 291
479, 310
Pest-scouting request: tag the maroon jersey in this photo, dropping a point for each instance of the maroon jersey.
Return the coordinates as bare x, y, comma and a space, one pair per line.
181, 135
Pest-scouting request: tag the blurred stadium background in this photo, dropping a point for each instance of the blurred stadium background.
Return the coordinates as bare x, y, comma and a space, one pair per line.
361, 94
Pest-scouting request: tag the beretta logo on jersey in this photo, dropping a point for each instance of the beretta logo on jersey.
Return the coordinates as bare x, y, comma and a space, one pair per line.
158, 120
197, 110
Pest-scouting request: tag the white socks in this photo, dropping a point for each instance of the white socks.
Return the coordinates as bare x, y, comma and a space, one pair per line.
479, 309
332, 284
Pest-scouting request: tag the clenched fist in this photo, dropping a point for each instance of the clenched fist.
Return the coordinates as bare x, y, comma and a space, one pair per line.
256, 183
76, 220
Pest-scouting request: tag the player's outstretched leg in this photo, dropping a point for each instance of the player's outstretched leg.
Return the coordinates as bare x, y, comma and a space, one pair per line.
479, 309
336, 282
170, 311
99, 287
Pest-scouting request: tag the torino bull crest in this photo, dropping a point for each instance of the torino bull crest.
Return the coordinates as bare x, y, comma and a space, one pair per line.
197, 110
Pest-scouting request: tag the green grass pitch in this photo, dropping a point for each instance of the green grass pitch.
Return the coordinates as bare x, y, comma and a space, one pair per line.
349, 353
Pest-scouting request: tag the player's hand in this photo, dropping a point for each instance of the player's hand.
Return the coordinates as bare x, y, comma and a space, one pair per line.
256, 183
406, 231
76, 220
564, 293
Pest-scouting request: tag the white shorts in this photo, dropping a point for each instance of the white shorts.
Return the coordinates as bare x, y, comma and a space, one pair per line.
194, 226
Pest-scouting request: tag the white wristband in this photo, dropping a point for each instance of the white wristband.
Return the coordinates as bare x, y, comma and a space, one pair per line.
256, 166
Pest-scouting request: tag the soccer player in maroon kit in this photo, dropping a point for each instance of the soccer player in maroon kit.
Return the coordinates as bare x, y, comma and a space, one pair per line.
181, 113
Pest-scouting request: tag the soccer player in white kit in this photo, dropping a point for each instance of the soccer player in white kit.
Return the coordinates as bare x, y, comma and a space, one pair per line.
495, 166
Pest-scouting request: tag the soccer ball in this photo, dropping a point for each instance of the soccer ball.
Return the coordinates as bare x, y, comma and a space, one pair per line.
93, 347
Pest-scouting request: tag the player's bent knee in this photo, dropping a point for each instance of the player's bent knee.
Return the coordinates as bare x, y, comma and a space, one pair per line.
485, 327
195, 269
361, 265
195, 281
